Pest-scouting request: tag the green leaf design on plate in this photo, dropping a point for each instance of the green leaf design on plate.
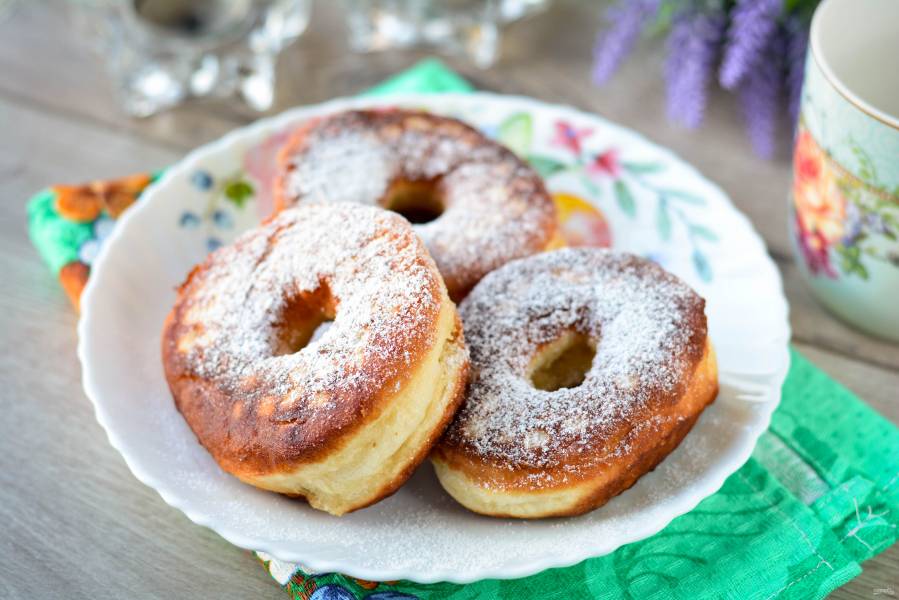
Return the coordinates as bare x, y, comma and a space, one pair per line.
685, 197
516, 132
643, 167
663, 220
625, 198
670, 211
703, 232
545, 166
238, 192
593, 189
701, 264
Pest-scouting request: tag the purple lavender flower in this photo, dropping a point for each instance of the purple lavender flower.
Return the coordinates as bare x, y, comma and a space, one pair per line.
627, 19
796, 30
752, 24
760, 96
875, 223
693, 46
853, 224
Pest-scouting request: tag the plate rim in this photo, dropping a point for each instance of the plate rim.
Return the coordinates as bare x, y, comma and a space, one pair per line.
701, 489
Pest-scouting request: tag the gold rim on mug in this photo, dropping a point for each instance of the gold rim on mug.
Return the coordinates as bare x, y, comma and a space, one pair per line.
836, 82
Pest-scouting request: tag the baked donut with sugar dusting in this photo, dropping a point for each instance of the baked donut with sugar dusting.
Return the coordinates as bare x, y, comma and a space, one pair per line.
474, 203
341, 419
588, 367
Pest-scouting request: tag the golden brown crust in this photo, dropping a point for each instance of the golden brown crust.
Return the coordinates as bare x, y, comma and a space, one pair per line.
495, 207
457, 395
252, 420
518, 450
295, 142
592, 488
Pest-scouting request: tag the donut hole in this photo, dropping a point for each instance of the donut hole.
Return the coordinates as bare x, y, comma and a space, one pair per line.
303, 320
417, 201
563, 363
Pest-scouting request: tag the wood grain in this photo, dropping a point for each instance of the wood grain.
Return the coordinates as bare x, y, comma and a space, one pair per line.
75, 521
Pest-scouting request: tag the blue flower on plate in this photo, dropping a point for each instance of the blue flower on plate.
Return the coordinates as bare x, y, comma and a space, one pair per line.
201, 179
222, 219
213, 243
332, 592
189, 220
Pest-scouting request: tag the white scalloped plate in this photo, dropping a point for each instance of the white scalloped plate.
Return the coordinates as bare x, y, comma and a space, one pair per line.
651, 202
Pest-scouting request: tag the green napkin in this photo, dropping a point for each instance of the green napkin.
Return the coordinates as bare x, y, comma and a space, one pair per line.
429, 76
819, 495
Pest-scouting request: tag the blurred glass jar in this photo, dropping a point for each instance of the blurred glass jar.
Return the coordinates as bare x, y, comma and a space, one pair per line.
160, 52
465, 27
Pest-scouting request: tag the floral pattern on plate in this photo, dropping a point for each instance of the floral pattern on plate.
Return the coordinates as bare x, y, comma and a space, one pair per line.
598, 170
616, 188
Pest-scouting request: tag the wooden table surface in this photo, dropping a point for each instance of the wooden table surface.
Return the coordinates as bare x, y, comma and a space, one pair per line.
73, 520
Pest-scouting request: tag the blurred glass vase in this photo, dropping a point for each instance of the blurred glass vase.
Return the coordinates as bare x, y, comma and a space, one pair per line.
161, 52
470, 28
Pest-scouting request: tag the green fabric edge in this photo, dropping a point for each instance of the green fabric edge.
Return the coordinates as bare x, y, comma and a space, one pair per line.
429, 76
56, 239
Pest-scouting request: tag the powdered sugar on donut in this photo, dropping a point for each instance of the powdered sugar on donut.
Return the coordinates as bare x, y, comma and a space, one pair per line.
495, 206
364, 260
648, 326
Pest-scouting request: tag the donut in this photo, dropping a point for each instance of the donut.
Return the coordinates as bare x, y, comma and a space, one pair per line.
340, 415
474, 203
588, 367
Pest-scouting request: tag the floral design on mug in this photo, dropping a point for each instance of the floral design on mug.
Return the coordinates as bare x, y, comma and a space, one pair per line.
838, 216
818, 204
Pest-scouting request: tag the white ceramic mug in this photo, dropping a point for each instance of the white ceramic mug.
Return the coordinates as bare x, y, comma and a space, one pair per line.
845, 197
